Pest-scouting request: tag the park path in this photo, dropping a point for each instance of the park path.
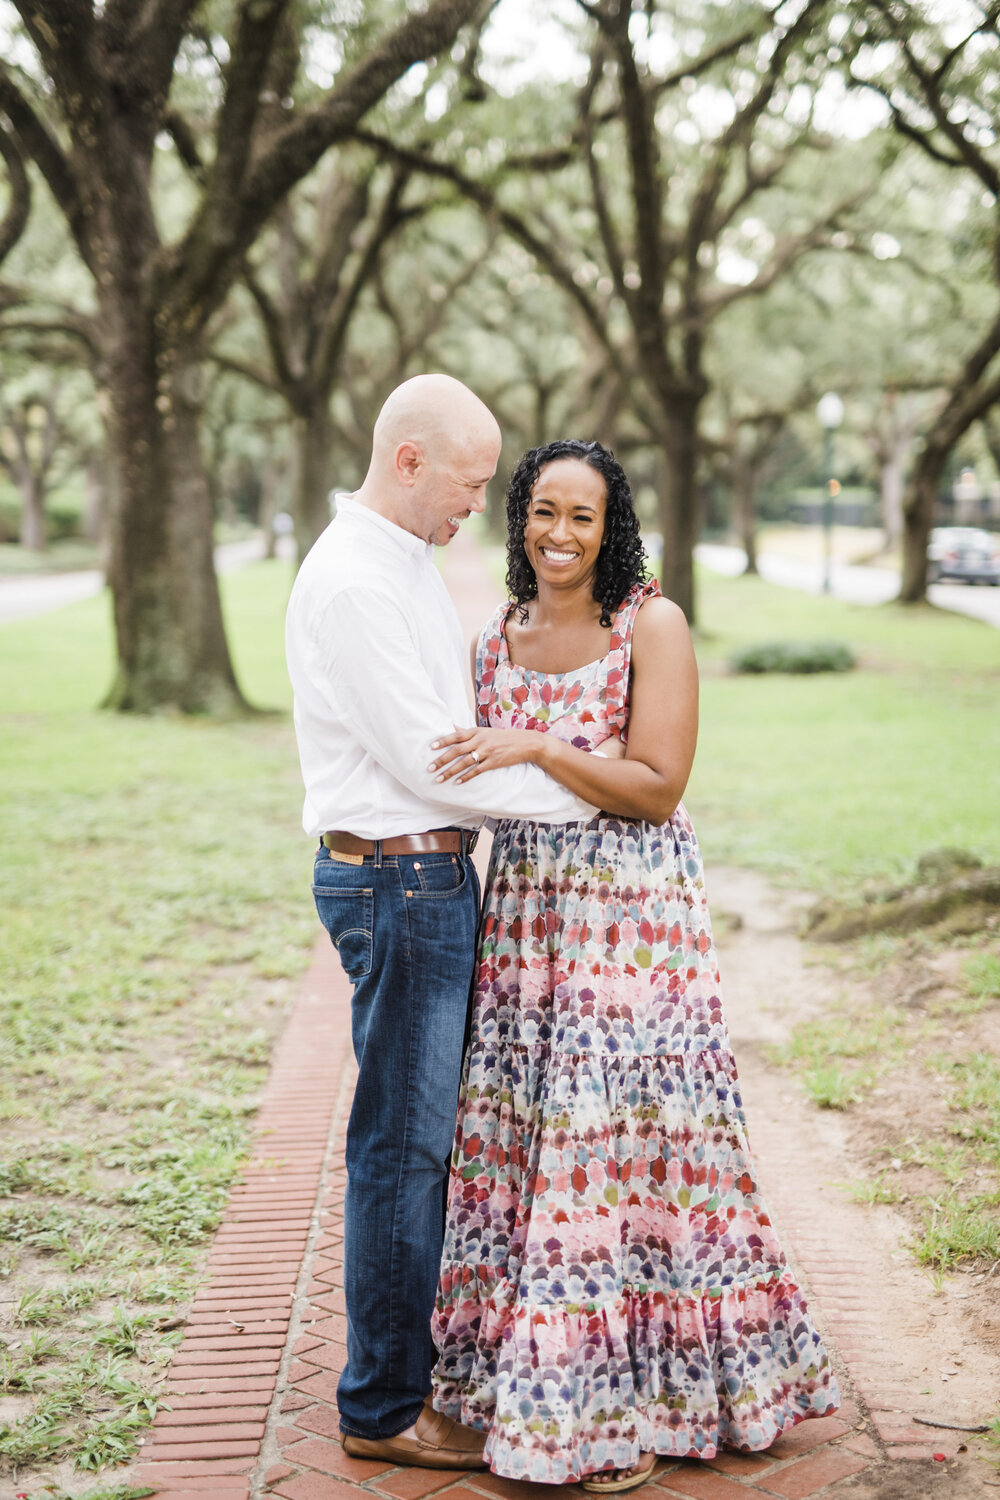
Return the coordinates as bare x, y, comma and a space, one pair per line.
852, 582
23, 598
252, 1387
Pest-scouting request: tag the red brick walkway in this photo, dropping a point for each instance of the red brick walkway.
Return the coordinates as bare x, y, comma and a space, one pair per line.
252, 1387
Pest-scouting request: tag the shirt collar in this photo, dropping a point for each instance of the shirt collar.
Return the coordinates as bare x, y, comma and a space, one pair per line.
413, 546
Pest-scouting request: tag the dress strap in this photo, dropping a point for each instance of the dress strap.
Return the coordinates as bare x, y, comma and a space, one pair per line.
488, 649
620, 649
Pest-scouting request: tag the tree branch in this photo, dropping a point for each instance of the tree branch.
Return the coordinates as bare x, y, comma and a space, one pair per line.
61, 31
19, 206
702, 64
183, 137
543, 249
754, 182
65, 327
794, 247
225, 226
598, 193
334, 329
245, 368
141, 39
967, 150
713, 178
643, 157
37, 142
287, 378
967, 401
257, 23
910, 131
435, 314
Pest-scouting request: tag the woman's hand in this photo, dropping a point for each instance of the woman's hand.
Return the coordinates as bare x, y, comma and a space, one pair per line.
468, 752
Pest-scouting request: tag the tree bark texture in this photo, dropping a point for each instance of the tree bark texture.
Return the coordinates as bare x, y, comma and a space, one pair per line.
314, 477
745, 509
95, 510
679, 509
33, 532
171, 640
919, 503
891, 488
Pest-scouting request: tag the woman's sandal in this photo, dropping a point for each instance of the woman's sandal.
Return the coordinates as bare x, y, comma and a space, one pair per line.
640, 1473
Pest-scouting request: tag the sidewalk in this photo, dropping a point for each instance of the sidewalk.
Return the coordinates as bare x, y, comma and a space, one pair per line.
854, 583
253, 1385
23, 596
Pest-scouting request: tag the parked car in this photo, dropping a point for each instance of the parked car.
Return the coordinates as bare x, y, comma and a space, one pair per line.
965, 553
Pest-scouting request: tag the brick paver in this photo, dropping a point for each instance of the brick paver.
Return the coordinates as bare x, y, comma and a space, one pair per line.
253, 1385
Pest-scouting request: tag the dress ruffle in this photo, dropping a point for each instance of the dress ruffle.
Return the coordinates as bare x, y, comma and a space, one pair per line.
567, 1390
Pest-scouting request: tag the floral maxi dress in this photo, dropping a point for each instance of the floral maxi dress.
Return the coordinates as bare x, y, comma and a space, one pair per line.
611, 1284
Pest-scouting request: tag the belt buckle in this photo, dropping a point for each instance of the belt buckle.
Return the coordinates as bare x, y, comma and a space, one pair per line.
470, 840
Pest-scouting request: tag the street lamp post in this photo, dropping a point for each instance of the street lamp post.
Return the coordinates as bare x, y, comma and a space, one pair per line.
830, 412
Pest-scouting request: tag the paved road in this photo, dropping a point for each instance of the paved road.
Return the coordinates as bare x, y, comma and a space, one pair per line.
858, 585
21, 598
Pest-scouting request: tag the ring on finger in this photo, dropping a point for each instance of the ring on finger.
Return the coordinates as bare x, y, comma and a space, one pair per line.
475, 756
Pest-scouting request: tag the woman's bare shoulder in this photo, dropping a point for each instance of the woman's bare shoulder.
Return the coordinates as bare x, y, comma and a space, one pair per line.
659, 622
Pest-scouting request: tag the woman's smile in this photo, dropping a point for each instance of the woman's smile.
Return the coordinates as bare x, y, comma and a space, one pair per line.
564, 527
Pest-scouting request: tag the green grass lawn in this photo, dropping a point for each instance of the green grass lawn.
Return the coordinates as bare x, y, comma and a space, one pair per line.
154, 889
835, 780
68, 556
156, 913
838, 778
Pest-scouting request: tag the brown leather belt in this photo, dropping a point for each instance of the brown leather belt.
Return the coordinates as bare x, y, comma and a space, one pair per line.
438, 841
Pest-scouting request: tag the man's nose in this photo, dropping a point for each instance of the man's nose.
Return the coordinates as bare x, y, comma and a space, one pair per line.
478, 501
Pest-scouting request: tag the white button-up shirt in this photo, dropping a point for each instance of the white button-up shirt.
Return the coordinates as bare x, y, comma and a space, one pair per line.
378, 669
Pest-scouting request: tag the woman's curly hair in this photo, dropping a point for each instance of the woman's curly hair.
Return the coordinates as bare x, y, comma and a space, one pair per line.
621, 562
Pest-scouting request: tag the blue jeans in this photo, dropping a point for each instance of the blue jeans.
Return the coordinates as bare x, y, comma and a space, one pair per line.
405, 929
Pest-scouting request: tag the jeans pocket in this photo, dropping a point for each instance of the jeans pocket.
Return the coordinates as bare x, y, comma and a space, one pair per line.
348, 916
438, 875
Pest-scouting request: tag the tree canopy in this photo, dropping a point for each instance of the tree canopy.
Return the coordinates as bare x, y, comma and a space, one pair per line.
674, 240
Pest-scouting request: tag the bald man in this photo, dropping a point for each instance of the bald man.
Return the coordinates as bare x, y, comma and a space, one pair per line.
378, 668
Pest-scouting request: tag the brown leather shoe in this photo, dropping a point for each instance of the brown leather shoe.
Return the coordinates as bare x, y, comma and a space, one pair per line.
439, 1443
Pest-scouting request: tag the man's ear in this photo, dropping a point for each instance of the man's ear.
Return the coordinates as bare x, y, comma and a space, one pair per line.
409, 462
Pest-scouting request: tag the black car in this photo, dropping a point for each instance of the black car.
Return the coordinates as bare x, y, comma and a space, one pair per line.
964, 553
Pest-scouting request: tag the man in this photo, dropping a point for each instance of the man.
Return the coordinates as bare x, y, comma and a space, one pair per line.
378, 667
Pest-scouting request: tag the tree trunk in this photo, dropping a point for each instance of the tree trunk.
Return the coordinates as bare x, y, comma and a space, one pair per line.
95, 504
919, 503
745, 509
313, 474
268, 508
172, 650
34, 535
679, 509
891, 488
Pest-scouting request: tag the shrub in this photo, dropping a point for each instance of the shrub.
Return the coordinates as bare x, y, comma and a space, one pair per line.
794, 656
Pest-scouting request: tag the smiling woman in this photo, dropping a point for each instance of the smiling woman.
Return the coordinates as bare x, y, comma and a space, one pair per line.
583, 480
612, 1290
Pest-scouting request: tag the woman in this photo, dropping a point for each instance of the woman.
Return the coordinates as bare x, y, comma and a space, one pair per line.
611, 1288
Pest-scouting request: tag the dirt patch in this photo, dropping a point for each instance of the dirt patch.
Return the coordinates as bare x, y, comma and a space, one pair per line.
950, 890
911, 1344
958, 1480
